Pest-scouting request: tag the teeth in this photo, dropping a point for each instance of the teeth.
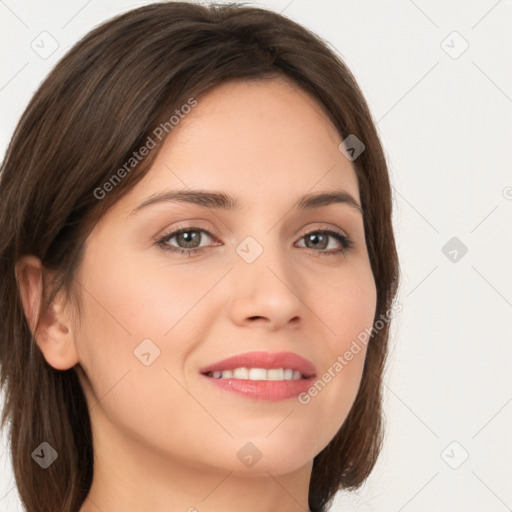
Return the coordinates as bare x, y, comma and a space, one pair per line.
275, 374
241, 373
258, 374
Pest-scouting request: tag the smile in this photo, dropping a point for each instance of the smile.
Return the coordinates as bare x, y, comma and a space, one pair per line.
257, 374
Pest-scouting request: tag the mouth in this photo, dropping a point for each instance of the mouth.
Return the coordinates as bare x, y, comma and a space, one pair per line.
271, 374
262, 375
262, 366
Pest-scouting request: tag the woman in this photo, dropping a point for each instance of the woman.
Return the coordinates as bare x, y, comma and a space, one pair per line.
197, 270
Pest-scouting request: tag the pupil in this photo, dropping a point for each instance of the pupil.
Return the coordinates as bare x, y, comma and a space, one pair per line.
189, 238
316, 240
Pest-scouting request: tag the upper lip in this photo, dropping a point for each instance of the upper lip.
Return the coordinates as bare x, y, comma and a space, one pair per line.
264, 360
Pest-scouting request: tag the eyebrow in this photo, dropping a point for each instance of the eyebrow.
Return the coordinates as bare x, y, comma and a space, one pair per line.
220, 200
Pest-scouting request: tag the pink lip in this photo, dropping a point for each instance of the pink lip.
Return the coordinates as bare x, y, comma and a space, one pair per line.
264, 360
267, 390
260, 389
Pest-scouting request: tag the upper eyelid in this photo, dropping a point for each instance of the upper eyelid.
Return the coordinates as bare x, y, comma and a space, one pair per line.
166, 236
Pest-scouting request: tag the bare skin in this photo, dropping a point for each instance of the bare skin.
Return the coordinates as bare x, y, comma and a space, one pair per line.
166, 438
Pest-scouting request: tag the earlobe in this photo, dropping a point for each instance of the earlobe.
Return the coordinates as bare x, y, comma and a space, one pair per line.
52, 328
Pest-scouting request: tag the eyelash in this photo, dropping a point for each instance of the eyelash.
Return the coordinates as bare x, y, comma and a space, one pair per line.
345, 241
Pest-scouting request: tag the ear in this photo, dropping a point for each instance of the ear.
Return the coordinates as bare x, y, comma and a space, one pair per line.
52, 329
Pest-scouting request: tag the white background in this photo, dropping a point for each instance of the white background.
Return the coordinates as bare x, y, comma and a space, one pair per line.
446, 124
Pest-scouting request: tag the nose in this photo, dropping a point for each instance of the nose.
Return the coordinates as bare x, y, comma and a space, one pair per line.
266, 292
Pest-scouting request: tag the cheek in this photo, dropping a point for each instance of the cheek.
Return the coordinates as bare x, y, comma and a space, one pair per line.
346, 304
129, 302
347, 310
126, 314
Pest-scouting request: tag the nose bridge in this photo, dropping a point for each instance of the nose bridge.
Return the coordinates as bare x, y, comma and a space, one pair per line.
262, 256
261, 240
264, 284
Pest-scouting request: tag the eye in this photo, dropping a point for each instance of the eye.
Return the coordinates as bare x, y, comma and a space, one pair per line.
188, 240
319, 239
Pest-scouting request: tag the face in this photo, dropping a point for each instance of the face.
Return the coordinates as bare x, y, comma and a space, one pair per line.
264, 275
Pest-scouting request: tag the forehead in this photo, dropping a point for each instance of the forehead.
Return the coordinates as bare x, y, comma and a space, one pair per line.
258, 140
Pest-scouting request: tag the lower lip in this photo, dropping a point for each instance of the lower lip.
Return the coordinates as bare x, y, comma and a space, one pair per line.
269, 390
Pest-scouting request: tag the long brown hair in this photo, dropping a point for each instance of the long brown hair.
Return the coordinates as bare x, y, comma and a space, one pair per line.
99, 105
